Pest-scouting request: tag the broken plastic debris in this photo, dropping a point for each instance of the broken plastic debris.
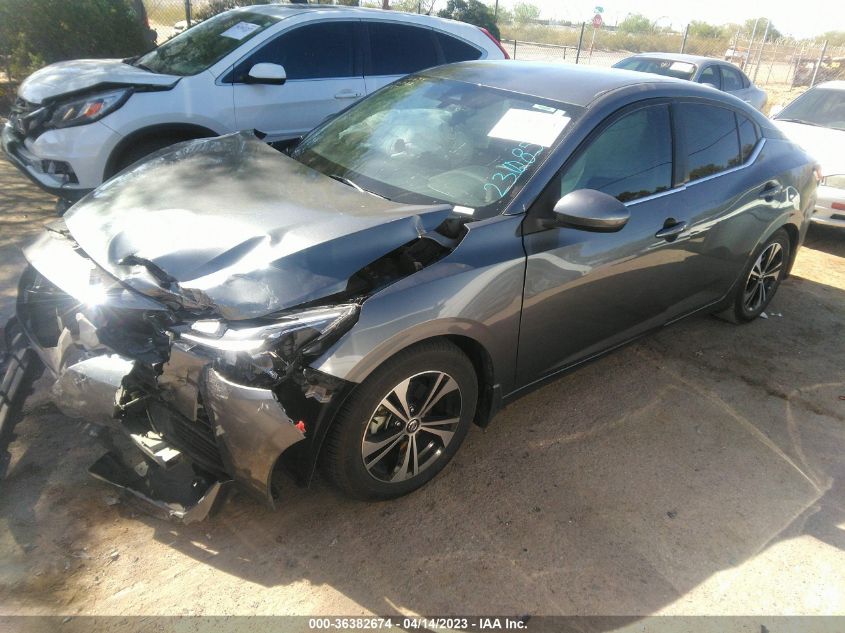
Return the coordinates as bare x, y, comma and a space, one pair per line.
763, 315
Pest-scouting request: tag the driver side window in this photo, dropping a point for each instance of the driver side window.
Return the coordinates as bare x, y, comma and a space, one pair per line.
630, 159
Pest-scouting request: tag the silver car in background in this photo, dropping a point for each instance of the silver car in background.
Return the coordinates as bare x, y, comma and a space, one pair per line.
721, 75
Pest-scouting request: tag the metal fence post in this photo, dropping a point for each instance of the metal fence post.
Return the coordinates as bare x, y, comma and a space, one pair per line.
188, 12
818, 63
747, 55
772, 64
580, 42
684, 42
762, 46
514, 48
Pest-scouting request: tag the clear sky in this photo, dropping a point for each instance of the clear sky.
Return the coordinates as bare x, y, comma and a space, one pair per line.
799, 18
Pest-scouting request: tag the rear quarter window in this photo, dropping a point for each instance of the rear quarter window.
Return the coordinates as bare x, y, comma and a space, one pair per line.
400, 49
455, 50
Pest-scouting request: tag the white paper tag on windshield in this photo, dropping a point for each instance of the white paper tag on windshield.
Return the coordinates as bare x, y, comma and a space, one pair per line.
240, 30
464, 210
530, 126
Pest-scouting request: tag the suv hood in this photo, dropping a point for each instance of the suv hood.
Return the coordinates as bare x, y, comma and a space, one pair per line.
81, 74
231, 227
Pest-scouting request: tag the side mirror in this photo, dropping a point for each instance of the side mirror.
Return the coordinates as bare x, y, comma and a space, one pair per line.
589, 210
775, 110
272, 74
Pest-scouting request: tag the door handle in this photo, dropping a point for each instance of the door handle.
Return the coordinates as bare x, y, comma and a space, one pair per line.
348, 94
770, 190
669, 233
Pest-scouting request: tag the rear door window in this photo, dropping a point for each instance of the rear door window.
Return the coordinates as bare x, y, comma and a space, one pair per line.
710, 76
630, 159
400, 49
711, 138
731, 79
455, 50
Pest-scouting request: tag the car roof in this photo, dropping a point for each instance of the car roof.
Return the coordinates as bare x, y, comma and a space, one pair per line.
681, 57
286, 10
568, 83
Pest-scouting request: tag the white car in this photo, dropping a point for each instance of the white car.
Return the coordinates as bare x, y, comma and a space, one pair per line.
280, 69
816, 121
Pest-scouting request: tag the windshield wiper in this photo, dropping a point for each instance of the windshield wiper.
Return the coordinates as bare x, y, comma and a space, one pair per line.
354, 185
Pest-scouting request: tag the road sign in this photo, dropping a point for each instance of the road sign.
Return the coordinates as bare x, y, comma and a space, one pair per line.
597, 21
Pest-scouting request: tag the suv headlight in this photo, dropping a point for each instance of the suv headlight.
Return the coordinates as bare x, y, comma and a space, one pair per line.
834, 180
263, 355
88, 109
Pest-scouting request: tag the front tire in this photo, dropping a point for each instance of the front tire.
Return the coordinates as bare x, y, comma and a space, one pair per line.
404, 423
761, 278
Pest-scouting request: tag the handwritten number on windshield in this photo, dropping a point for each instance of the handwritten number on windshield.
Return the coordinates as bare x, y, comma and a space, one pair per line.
511, 170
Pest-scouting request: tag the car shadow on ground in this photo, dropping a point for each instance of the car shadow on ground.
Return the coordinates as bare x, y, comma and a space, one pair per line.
617, 489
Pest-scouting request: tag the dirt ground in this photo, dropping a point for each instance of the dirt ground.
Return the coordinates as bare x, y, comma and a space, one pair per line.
698, 471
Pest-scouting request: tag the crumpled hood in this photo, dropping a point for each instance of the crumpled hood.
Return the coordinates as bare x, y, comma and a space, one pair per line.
74, 76
822, 143
233, 227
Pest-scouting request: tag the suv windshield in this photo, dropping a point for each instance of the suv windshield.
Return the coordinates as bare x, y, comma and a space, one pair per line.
818, 106
208, 42
424, 140
667, 67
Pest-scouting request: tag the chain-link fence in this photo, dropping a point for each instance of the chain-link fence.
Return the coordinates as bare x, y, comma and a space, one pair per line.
780, 63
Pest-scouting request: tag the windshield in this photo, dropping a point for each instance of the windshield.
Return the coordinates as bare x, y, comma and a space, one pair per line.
818, 106
667, 67
208, 42
423, 140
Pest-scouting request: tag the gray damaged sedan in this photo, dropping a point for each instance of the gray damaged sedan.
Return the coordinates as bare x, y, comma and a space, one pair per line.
232, 312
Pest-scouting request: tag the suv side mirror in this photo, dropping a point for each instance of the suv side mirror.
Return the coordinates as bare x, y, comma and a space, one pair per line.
272, 74
588, 210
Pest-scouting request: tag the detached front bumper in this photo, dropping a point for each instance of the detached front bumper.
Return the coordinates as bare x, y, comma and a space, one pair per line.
175, 415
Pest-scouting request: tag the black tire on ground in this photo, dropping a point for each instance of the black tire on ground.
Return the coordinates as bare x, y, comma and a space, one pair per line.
760, 279
441, 385
20, 367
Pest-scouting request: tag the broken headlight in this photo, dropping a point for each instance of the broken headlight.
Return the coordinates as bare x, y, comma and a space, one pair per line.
88, 109
265, 354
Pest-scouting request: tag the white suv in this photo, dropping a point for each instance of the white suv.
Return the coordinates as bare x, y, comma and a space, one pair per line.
280, 69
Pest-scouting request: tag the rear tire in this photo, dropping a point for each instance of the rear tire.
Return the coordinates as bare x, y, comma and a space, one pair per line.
761, 279
404, 423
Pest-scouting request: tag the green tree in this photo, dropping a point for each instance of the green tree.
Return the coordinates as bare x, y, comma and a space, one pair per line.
773, 33
472, 12
700, 28
635, 23
524, 13
38, 32
834, 38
